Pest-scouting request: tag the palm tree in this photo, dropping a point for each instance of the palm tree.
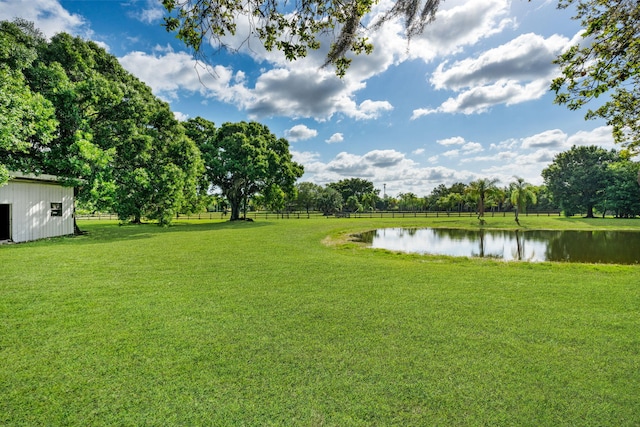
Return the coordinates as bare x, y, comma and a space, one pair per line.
521, 193
480, 189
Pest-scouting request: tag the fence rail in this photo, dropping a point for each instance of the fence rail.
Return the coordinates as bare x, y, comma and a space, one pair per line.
304, 215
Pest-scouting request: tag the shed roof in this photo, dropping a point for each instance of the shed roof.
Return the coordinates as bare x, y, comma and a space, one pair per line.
19, 176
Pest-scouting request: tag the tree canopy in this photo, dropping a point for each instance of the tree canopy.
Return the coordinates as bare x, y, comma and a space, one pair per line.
27, 119
243, 159
293, 27
521, 193
577, 178
607, 62
71, 110
480, 190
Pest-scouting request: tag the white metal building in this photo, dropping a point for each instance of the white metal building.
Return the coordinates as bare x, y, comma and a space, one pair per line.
35, 207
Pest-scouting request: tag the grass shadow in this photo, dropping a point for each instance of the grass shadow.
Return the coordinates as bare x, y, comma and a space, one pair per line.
112, 231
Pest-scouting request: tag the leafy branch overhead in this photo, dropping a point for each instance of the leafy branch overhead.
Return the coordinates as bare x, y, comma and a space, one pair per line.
292, 27
607, 62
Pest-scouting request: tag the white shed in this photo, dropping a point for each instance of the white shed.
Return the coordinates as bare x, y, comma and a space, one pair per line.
35, 207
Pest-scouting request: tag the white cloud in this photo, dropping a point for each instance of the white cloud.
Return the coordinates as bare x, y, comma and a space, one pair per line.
455, 140
465, 147
153, 12
418, 151
389, 167
168, 72
299, 133
335, 138
459, 26
47, 15
383, 158
277, 92
419, 112
302, 89
528, 57
601, 136
180, 116
515, 72
472, 147
554, 138
401, 174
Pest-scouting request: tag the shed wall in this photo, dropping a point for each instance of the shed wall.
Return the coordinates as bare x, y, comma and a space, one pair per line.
31, 209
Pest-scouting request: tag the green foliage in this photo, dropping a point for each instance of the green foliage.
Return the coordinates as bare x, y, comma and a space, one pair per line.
521, 194
243, 159
307, 196
622, 193
27, 120
577, 178
71, 110
292, 28
357, 187
606, 63
330, 200
408, 202
480, 190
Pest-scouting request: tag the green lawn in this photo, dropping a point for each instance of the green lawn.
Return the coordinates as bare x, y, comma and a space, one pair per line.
286, 322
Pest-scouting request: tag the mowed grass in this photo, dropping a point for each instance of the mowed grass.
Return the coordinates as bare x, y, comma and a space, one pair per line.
287, 323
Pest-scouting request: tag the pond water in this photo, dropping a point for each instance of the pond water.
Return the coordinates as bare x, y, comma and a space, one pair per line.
615, 247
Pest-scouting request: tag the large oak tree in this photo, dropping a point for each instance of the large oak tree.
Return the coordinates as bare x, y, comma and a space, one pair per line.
244, 159
578, 178
115, 142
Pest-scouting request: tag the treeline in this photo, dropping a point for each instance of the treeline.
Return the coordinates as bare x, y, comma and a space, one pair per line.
68, 108
583, 180
359, 195
586, 180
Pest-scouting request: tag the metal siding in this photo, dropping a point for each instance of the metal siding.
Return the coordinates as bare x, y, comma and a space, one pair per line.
31, 209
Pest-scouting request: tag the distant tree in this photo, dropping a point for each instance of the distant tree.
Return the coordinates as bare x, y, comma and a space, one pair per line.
606, 62
622, 193
330, 201
480, 190
245, 159
544, 199
408, 201
353, 204
498, 198
369, 201
437, 197
452, 201
357, 187
293, 28
521, 194
308, 195
436, 194
577, 178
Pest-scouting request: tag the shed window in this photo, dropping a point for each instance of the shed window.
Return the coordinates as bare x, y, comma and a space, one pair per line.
56, 209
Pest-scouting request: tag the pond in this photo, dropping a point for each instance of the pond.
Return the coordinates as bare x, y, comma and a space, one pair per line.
610, 247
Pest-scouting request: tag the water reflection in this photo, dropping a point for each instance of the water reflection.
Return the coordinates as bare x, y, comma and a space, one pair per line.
620, 247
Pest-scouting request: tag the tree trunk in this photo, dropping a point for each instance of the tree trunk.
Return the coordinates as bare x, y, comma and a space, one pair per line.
590, 211
235, 210
76, 229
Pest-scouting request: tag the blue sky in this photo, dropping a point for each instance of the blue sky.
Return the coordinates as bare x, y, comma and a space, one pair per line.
468, 99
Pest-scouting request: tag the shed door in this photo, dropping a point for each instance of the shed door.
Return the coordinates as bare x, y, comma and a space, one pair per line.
5, 222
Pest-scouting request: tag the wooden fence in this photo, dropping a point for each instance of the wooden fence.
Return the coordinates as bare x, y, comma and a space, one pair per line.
304, 215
